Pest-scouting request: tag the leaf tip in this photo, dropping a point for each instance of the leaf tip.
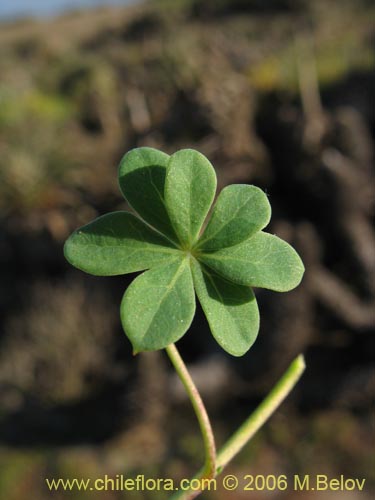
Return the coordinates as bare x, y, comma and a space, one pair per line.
67, 249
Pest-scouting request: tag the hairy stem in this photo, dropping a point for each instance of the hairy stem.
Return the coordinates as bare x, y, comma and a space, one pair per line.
209, 469
255, 421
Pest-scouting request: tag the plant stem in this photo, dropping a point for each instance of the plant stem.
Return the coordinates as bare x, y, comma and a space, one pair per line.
268, 406
209, 469
247, 430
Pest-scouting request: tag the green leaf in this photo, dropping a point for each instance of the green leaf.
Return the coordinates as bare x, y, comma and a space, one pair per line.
231, 310
142, 174
159, 306
172, 196
189, 192
264, 260
240, 211
117, 243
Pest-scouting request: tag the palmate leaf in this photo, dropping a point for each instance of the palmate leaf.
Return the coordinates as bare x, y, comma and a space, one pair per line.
159, 306
263, 260
172, 196
142, 174
240, 211
117, 243
189, 192
231, 310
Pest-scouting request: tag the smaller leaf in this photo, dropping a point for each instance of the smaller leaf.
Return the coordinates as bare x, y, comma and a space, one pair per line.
231, 310
159, 305
190, 188
142, 174
117, 243
263, 260
240, 211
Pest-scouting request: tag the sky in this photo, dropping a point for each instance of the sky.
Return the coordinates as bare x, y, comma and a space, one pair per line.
19, 8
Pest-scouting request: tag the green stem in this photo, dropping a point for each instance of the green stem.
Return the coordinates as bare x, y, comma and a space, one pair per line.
256, 420
209, 469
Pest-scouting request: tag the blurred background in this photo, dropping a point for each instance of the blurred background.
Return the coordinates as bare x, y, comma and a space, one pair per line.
279, 94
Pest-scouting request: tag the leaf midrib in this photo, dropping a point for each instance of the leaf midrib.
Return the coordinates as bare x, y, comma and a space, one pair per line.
165, 295
221, 228
158, 248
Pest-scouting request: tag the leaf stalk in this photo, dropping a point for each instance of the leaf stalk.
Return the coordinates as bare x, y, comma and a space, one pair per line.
209, 469
251, 425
